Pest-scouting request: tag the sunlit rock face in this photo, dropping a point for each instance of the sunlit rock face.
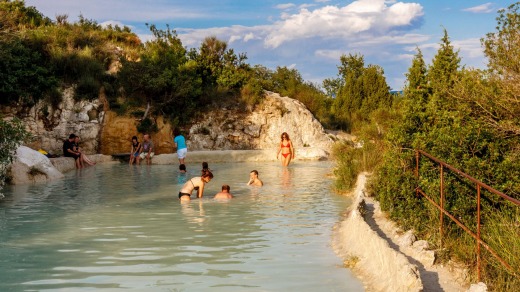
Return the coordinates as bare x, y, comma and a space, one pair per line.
260, 129
226, 128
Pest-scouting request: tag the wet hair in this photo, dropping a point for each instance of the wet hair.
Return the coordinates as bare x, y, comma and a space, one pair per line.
207, 173
226, 187
182, 167
255, 172
134, 138
72, 136
176, 132
286, 135
205, 165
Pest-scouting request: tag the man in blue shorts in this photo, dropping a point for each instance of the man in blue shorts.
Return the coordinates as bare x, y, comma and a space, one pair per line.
180, 144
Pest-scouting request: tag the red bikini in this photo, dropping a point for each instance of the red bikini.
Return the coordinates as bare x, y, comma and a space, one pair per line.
285, 146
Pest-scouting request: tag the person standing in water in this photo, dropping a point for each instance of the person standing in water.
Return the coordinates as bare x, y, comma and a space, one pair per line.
195, 183
286, 147
180, 144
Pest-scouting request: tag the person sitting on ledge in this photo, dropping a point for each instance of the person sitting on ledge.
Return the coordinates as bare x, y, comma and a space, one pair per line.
135, 151
254, 180
224, 194
147, 149
83, 156
69, 150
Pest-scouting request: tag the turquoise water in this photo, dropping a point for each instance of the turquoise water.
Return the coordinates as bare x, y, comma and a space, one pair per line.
120, 227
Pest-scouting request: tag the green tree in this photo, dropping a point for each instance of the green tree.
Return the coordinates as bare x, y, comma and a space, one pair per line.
445, 65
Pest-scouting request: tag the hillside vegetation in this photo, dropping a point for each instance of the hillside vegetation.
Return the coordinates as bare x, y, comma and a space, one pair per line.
468, 118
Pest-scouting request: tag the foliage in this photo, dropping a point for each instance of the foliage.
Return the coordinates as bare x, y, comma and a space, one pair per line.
12, 135
461, 117
360, 91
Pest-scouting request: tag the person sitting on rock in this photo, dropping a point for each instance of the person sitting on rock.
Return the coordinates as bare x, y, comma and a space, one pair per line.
224, 194
254, 180
69, 150
83, 156
147, 148
135, 151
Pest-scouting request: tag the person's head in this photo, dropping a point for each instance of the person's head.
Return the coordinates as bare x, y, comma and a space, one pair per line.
182, 167
134, 139
176, 132
207, 176
285, 136
205, 165
146, 137
225, 188
72, 137
253, 174
76, 139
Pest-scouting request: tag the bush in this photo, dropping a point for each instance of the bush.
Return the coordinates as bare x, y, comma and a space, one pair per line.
12, 135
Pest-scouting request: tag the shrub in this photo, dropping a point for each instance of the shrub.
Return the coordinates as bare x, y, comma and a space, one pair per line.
12, 135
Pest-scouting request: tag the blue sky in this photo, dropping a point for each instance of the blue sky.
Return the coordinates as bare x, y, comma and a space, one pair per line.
307, 35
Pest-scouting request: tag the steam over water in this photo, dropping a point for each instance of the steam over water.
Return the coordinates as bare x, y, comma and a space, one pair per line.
120, 227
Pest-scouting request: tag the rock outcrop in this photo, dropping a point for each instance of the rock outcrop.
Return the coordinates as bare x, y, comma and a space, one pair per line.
50, 126
227, 128
32, 166
260, 129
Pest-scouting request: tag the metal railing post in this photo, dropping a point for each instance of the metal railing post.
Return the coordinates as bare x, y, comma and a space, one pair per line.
417, 155
479, 268
441, 219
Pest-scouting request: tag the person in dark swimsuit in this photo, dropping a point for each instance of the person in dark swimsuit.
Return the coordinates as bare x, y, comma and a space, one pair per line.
134, 151
195, 183
286, 148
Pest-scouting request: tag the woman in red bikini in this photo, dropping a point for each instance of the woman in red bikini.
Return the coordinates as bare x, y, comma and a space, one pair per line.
286, 148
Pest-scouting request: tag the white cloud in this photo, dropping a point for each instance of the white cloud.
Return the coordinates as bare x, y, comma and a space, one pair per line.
113, 23
285, 6
470, 48
249, 37
292, 66
362, 16
484, 8
322, 1
329, 54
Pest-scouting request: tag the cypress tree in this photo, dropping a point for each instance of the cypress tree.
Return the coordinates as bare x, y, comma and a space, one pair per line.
442, 72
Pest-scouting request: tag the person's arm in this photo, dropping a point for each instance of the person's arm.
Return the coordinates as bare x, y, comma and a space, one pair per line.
292, 149
279, 149
151, 149
200, 191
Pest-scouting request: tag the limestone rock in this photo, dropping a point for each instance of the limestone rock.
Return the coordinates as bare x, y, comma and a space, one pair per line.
261, 128
407, 239
421, 245
480, 287
32, 166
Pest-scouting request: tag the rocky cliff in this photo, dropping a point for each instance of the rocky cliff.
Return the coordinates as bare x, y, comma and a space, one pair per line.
103, 131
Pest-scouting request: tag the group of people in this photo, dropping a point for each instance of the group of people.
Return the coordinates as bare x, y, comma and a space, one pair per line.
71, 149
145, 151
197, 184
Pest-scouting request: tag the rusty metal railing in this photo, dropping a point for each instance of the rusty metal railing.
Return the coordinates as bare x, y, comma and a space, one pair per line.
440, 206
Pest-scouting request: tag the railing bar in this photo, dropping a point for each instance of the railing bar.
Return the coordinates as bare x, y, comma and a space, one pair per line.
488, 248
479, 268
512, 200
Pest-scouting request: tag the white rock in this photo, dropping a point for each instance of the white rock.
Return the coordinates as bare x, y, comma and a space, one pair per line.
480, 287
32, 166
421, 245
407, 239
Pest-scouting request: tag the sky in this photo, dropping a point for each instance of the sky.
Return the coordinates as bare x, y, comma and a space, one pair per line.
308, 35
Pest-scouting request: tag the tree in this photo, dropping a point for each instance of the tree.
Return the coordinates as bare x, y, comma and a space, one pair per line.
445, 64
